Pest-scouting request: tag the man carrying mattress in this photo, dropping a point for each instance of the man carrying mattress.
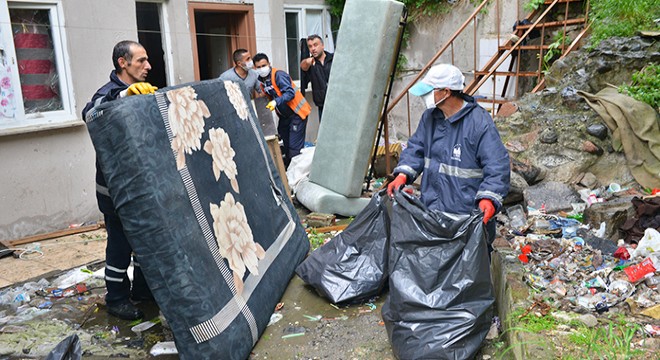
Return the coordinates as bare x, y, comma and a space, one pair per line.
131, 68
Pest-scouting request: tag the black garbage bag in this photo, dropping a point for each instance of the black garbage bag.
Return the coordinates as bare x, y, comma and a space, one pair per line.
67, 349
441, 296
352, 266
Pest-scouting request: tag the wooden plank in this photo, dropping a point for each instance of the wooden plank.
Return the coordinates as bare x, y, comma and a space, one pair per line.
508, 73
327, 229
552, 24
54, 234
276, 153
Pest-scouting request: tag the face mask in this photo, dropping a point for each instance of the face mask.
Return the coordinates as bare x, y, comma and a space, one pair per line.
248, 65
264, 71
429, 100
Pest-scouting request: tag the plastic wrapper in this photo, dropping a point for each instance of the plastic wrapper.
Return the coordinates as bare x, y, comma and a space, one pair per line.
441, 297
352, 266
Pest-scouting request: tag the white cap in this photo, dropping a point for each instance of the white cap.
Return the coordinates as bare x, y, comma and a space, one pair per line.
439, 77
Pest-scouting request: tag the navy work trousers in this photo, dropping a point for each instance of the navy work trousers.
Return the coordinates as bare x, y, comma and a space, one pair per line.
292, 132
117, 259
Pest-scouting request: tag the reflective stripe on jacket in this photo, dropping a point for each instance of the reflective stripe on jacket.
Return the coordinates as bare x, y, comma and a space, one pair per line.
298, 104
462, 159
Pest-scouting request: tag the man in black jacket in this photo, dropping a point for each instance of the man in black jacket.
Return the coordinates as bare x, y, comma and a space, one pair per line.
317, 67
131, 68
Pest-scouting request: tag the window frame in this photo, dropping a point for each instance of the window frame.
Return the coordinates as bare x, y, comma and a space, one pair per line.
22, 121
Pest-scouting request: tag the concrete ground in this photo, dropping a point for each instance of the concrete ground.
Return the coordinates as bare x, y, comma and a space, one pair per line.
309, 328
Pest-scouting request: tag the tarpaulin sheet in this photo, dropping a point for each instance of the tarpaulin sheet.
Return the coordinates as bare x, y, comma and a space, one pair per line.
204, 209
441, 296
352, 266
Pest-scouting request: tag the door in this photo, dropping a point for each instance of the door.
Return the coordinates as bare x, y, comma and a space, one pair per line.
218, 30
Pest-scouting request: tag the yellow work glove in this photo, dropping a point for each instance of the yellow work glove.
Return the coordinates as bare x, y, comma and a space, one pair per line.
271, 105
140, 88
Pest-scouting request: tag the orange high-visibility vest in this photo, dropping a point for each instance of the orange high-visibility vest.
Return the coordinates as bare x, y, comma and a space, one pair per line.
298, 104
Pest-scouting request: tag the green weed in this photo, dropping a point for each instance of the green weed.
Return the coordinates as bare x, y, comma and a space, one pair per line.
316, 240
533, 5
554, 51
645, 86
621, 18
611, 342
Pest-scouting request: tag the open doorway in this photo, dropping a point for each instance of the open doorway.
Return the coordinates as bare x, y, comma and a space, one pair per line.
219, 29
150, 36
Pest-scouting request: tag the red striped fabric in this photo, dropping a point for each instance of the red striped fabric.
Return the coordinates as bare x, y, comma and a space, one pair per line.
31, 41
37, 92
34, 66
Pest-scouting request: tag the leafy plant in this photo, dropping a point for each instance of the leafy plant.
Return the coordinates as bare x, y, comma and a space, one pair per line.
316, 240
533, 5
621, 18
554, 50
645, 86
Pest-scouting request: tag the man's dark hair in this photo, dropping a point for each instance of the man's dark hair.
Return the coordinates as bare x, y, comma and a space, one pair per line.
259, 57
123, 50
314, 36
238, 55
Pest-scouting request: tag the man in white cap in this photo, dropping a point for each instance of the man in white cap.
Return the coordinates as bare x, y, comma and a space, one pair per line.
457, 147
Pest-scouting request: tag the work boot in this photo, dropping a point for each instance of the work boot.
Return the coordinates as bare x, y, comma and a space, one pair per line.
125, 310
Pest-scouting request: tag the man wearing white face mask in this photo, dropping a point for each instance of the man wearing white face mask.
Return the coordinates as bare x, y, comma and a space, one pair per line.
457, 147
288, 102
243, 72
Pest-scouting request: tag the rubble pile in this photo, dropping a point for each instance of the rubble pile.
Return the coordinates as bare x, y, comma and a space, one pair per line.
576, 269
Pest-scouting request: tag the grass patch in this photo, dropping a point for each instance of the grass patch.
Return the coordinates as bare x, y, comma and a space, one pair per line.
521, 319
621, 18
607, 342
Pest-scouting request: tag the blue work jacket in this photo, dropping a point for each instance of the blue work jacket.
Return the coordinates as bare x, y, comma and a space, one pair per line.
462, 159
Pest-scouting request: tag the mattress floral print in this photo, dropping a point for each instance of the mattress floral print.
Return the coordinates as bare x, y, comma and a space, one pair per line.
204, 209
186, 115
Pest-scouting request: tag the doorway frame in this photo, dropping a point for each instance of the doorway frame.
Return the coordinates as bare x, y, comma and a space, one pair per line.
247, 41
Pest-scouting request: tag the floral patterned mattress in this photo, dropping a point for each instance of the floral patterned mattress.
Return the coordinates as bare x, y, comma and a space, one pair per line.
204, 208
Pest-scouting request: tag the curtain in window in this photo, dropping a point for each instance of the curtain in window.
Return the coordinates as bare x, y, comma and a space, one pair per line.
317, 25
36, 60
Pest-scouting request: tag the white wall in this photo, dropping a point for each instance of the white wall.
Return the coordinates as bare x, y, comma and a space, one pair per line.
47, 181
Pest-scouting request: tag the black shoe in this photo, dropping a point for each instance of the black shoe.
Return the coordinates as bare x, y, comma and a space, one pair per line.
124, 310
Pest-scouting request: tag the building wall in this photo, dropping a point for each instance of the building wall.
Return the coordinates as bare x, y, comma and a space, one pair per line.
47, 182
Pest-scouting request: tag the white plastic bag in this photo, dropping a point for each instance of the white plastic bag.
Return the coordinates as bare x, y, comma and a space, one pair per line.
300, 167
648, 244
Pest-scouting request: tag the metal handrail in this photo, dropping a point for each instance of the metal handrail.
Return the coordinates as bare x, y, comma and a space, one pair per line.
477, 85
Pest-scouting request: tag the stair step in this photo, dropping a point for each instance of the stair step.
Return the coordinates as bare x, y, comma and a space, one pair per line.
552, 24
525, 47
508, 73
492, 101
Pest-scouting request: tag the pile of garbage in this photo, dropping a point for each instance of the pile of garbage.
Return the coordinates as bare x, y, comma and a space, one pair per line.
578, 270
36, 316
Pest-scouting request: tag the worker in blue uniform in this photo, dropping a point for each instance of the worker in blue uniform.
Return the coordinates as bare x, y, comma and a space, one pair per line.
457, 149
